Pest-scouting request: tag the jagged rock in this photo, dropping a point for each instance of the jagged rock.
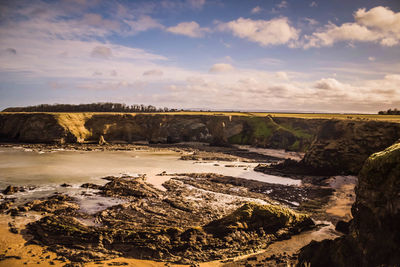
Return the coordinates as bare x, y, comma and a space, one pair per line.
253, 217
374, 232
56, 204
13, 189
91, 186
164, 226
5, 205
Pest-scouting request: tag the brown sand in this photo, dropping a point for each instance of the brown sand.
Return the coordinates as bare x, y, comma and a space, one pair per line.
35, 255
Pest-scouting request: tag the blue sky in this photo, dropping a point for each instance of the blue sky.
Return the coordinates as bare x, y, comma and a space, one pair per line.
320, 56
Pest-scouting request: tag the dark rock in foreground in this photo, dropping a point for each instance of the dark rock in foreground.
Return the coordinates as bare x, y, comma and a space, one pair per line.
166, 226
374, 238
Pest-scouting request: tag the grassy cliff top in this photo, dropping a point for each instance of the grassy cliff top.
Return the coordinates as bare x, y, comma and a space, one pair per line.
388, 118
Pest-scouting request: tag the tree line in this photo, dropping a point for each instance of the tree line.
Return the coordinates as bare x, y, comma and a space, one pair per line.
390, 112
94, 107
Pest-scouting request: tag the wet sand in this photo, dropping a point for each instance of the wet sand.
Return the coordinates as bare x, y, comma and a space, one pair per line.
15, 244
343, 198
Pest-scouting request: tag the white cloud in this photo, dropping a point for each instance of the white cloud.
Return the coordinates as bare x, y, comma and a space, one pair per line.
282, 75
371, 58
270, 61
311, 21
144, 23
153, 72
282, 4
345, 32
221, 68
328, 84
197, 4
227, 45
101, 52
264, 32
256, 10
191, 29
64, 54
251, 89
380, 18
313, 4
97, 20
379, 25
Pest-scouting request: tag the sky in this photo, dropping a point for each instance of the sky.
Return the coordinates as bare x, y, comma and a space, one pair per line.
252, 55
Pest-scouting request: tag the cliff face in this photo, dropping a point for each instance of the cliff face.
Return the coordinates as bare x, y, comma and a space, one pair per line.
342, 146
33, 128
331, 146
374, 238
295, 134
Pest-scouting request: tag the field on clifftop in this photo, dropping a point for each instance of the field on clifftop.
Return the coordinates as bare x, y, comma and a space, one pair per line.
389, 118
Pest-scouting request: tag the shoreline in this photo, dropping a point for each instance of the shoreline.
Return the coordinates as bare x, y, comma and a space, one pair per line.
343, 208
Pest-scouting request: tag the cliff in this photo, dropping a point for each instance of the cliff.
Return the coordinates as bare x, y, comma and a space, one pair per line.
374, 237
294, 134
331, 146
342, 146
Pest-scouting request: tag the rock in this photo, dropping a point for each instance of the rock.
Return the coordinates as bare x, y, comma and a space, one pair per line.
293, 133
13, 228
12, 189
374, 232
56, 203
5, 205
129, 187
252, 217
166, 226
349, 143
4, 257
102, 141
91, 186
343, 227
65, 185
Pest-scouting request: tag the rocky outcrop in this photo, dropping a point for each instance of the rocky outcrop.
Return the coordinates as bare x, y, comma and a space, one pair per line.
374, 233
342, 146
181, 224
339, 147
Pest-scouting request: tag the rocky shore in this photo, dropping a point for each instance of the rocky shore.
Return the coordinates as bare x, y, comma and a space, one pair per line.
372, 237
183, 224
199, 217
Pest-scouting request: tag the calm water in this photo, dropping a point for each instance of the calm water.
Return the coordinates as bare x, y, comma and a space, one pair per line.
47, 171
21, 167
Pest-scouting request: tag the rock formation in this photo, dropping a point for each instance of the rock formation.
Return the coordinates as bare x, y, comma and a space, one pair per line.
342, 146
374, 233
348, 142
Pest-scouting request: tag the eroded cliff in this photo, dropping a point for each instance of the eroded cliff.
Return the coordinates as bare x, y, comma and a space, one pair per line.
331, 146
342, 146
295, 134
374, 237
